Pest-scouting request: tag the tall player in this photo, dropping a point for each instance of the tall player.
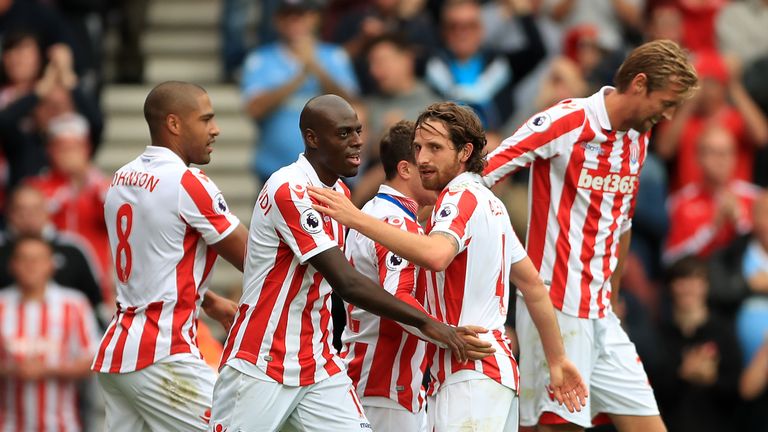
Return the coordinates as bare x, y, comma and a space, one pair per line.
167, 223
471, 252
278, 367
585, 157
387, 361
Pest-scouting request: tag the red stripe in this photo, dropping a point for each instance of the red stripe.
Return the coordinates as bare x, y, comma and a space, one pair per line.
436, 296
41, 383
325, 338
276, 366
186, 292
204, 202
19, 391
210, 260
255, 330
117, 353
453, 289
501, 281
230, 343
306, 357
381, 260
591, 224
67, 326
467, 204
287, 207
148, 342
563, 245
559, 127
356, 365
84, 336
405, 374
379, 382
105, 343
541, 196
356, 402
502, 339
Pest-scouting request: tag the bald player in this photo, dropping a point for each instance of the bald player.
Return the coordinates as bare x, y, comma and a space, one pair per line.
279, 369
167, 224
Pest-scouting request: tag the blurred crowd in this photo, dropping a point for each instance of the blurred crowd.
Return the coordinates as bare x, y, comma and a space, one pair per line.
695, 289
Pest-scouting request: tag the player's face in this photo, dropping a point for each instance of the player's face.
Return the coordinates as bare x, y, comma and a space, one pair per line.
655, 105
420, 194
32, 264
200, 131
436, 155
339, 143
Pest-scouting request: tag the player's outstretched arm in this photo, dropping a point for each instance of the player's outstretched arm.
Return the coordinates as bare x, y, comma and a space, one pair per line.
232, 247
565, 380
357, 289
433, 252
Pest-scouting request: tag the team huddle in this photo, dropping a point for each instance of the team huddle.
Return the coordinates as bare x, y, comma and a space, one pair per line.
446, 282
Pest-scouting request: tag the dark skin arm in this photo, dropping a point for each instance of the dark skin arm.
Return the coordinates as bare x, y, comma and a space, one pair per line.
364, 293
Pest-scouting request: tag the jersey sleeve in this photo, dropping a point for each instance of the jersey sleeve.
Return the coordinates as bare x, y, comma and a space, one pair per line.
300, 226
543, 136
452, 213
202, 206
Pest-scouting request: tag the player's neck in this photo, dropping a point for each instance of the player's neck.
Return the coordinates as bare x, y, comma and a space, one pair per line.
32, 293
174, 147
401, 186
618, 110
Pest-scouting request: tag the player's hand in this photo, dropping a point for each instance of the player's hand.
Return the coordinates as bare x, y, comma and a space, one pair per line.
567, 386
335, 205
219, 308
31, 370
477, 349
450, 337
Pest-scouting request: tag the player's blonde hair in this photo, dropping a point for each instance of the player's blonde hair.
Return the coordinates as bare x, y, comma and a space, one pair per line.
662, 61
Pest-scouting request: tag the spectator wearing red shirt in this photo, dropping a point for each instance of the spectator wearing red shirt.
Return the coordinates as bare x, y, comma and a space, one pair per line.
721, 100
709, 214
75, 189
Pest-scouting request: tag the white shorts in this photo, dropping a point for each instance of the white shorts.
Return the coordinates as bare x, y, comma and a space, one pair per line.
479, 404
606, 358
171, 396
386, 415
242, 403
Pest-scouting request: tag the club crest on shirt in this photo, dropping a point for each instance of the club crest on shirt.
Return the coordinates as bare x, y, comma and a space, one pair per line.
634, 152
395, 262
396, 221
311, 221
219, 204
540, 122
446, 211
298, 189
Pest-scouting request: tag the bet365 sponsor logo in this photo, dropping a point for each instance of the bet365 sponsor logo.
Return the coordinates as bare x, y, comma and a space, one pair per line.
607, 182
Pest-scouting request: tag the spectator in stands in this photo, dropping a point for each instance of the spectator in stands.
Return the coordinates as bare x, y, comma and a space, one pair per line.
697, 385
47, 341
465, 72
665, 22
358, 27
74, 188
721, 99
741, 30
699, 23
614, 18
707, 215
279, 78
31, 93
74, 262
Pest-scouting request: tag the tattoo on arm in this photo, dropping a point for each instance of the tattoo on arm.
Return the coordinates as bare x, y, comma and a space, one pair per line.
450, 237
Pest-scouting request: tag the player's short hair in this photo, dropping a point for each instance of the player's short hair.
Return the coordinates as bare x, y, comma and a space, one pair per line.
686, 267
24, 238
169, 97
395, 146
397, 40
463, 127
662, 61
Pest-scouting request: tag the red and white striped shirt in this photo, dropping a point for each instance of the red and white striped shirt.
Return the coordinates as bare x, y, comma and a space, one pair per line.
161, 217
474, 288
283, 327
583, 184
382, 358
60, 328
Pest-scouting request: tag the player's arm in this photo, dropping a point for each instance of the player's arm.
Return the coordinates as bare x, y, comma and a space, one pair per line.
624, 242
433, 252
219, 308
362, 292
565, 380
232, 247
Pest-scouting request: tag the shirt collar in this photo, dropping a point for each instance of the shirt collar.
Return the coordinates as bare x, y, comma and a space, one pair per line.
597, 101
309, 170
163, 153
465, 177
408, 202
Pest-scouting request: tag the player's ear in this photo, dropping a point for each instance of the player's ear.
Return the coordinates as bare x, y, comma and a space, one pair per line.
173, 123
310, 138
466, 152
640, 83
404, 169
